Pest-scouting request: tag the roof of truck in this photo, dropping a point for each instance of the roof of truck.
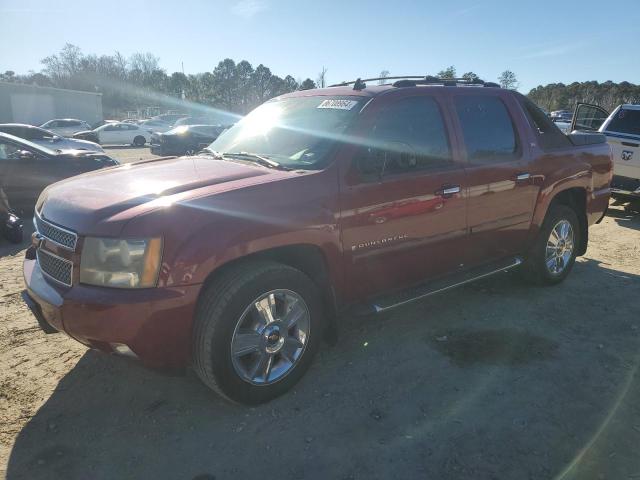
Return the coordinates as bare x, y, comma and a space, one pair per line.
371, 87
374, 90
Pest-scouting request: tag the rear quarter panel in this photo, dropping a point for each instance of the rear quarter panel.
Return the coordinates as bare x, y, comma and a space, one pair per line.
588, 167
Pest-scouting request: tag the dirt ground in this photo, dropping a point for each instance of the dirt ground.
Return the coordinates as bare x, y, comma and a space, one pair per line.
495, 380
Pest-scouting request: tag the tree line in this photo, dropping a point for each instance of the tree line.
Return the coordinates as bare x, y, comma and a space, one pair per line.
138, 81
558, 96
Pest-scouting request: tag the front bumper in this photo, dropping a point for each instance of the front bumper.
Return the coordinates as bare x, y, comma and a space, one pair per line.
155, 323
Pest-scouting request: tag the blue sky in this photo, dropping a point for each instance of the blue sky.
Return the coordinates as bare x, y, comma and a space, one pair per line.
542, 42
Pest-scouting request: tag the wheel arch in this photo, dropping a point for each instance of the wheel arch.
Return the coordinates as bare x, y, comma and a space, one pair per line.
574, 197
309, 259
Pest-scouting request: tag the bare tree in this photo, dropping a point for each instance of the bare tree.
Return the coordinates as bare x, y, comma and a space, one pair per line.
383, 75
321, 80
508, 80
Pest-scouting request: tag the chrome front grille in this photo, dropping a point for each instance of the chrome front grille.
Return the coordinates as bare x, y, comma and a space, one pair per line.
63, 237
57, 268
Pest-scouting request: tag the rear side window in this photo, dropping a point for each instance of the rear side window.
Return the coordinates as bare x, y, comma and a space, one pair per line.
625, 121
549, 135
487, 129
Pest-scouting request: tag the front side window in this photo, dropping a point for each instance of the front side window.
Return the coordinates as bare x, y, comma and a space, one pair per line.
487, 129
625, 121
8, 151
298, 132
408, 135
38, 134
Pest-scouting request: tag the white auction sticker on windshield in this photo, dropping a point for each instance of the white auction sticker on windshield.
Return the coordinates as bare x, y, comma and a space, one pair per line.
338, 104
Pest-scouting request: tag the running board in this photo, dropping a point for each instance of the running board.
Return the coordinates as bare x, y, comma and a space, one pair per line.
389, 301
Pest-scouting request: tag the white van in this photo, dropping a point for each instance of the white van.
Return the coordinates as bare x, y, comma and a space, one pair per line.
622, 128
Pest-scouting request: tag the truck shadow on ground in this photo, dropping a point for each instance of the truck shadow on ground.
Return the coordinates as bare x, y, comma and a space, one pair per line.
494, 380
625, 218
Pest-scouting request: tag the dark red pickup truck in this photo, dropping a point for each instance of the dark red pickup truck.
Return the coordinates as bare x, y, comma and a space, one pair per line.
238, 260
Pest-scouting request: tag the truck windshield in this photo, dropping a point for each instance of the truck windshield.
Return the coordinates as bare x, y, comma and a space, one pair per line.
625, 121
297, 132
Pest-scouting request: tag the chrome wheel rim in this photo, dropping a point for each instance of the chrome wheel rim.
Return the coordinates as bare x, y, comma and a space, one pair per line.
270, 337
559, 247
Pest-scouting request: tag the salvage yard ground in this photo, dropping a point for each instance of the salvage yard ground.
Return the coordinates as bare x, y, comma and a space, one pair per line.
494, 380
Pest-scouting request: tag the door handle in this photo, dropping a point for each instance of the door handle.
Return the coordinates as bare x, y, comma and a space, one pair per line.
448, 191
521, 177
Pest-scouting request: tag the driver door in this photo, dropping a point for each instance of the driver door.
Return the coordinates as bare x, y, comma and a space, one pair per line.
588, 117
24, 174
109, 134
403, 203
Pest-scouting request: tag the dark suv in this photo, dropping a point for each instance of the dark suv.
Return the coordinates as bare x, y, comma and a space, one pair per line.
236, 261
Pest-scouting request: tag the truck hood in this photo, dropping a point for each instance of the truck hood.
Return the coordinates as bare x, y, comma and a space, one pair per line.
101, 202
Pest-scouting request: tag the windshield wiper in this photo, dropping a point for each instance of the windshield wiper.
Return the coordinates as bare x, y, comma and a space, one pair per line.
262, 160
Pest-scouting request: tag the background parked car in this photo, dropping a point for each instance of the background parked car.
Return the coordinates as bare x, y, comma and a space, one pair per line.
169, 118
152, 126
561, 116
46, 138
119, 133
65, 127
622, 128
185, 139
27, 168
102, 122
88, 135
193, 121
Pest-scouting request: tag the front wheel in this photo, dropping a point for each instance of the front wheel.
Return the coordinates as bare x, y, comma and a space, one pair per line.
257, 328
139, 141
554, 252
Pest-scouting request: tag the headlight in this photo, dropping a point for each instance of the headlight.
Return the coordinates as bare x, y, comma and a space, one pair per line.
111, 262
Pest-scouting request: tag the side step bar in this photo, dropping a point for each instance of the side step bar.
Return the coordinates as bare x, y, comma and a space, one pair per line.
389, 301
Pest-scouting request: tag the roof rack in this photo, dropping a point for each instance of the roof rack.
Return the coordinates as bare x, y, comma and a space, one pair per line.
414, 80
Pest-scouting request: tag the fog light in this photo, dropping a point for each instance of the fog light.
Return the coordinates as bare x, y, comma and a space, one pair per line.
122, 349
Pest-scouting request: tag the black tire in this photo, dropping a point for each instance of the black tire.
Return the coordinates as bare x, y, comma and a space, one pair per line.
15, 235
139, 141
535, 268
220, 307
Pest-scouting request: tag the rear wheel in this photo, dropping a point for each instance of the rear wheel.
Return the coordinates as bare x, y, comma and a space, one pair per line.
257, 328
139, 141
554, 252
